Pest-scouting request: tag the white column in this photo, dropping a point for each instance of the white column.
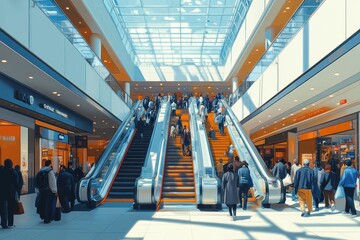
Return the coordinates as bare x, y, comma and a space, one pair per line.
127, 90
95, 43
234, 84
269, 36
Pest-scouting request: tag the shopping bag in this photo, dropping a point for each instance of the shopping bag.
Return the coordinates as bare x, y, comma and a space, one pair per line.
19, 208
287, 180
340, 193
57, 216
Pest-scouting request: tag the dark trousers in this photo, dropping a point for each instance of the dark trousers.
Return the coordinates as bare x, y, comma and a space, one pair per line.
65, 197
221, 128
7, 209
46, 205
232, 209
329, 197
173, 112
243, 191
349, 200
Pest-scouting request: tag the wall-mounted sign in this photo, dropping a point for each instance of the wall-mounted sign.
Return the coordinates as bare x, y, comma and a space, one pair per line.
53, 109
7, 138
25, 97
61, 136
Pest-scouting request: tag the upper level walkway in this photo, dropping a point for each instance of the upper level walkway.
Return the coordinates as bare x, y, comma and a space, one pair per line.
119, 221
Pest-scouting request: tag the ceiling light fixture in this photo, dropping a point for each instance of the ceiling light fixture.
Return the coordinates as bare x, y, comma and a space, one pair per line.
269, 115
259, 121
67, 8
31, 77
295, 100
178, 84
78, 105
161, 84
287, 8
54, 92
279, 109
79, 22
312, 89
336, 74
3, 60
303, 108
331, 95
58, 94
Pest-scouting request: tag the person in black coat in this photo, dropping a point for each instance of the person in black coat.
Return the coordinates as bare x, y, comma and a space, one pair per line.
8, 185
72, 172
20, 180
66, 188
328, 184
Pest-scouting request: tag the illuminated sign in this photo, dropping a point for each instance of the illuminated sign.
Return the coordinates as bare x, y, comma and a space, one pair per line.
26, 98
53, 109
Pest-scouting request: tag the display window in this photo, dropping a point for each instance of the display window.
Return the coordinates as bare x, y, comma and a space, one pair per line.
14, 146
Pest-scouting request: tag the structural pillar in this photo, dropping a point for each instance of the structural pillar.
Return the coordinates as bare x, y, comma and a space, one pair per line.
269, 36
95, 43
127, 91
234, 84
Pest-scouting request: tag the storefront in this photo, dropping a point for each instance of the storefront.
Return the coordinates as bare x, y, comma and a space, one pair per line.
34, 128
331, 142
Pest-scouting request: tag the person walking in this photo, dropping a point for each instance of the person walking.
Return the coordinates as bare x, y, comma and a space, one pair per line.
348, 181
46, 184
230, 184
8, 187
279, 169
66, 188
219, 169
186, 141
316, 192
20, 180
245, 183
303, 184
296, 166
328, 184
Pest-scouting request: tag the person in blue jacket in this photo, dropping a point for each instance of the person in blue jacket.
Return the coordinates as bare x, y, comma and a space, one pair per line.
348, 181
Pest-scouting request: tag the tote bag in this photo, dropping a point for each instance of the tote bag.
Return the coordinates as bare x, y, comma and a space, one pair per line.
340, 193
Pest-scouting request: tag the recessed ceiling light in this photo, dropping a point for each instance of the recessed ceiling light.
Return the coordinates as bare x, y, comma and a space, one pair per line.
295, 100
105, 61
228, 88
331, 95
312, 89
67, 8
283, 118
284, 11
161, 84
103, 120
3, 60
283, 124
79, 22
337, 103
259, 121
313, 104
279, 109
136, 84
287, 8
31, 77
303, 108
150, 87
275, 128
178, 84
291, 114
262, 127
113, 126
85, 32
94, 123
336, 74
209, 87
269, 115
249, 62
54, 92
78, 105
106, 123
275, 122
257, 50
58, 94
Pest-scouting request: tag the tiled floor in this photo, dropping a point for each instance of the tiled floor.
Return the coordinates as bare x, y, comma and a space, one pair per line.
119, 221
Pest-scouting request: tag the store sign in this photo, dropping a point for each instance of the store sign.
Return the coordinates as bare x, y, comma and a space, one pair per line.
61, 136
25, 97
53, 109
7, 138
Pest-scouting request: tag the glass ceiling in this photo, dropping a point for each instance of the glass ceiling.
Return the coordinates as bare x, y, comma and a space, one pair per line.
178, 32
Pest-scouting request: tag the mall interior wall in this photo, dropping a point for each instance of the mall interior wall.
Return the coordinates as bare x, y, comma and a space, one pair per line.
320, 36
28, 25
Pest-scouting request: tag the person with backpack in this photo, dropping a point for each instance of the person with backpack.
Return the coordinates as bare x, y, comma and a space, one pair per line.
245, 183
45, 182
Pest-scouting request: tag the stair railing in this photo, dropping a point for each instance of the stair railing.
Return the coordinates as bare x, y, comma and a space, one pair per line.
148, 186
93, 188
207, 185
267, 189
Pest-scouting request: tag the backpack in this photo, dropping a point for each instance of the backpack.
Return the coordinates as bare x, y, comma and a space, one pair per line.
42, 179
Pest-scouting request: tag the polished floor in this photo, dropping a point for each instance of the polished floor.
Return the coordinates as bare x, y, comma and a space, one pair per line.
119, 221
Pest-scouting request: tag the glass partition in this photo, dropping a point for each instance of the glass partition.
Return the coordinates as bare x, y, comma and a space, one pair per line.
60, 20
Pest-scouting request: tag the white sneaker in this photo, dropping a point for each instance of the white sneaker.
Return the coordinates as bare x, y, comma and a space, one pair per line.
231, 218
234, 218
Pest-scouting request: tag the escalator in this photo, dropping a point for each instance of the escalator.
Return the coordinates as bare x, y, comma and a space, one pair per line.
122, 188
220, 145
179, 183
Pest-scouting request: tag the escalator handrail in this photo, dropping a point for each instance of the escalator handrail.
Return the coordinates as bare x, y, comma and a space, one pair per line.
260, 165
93, 173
